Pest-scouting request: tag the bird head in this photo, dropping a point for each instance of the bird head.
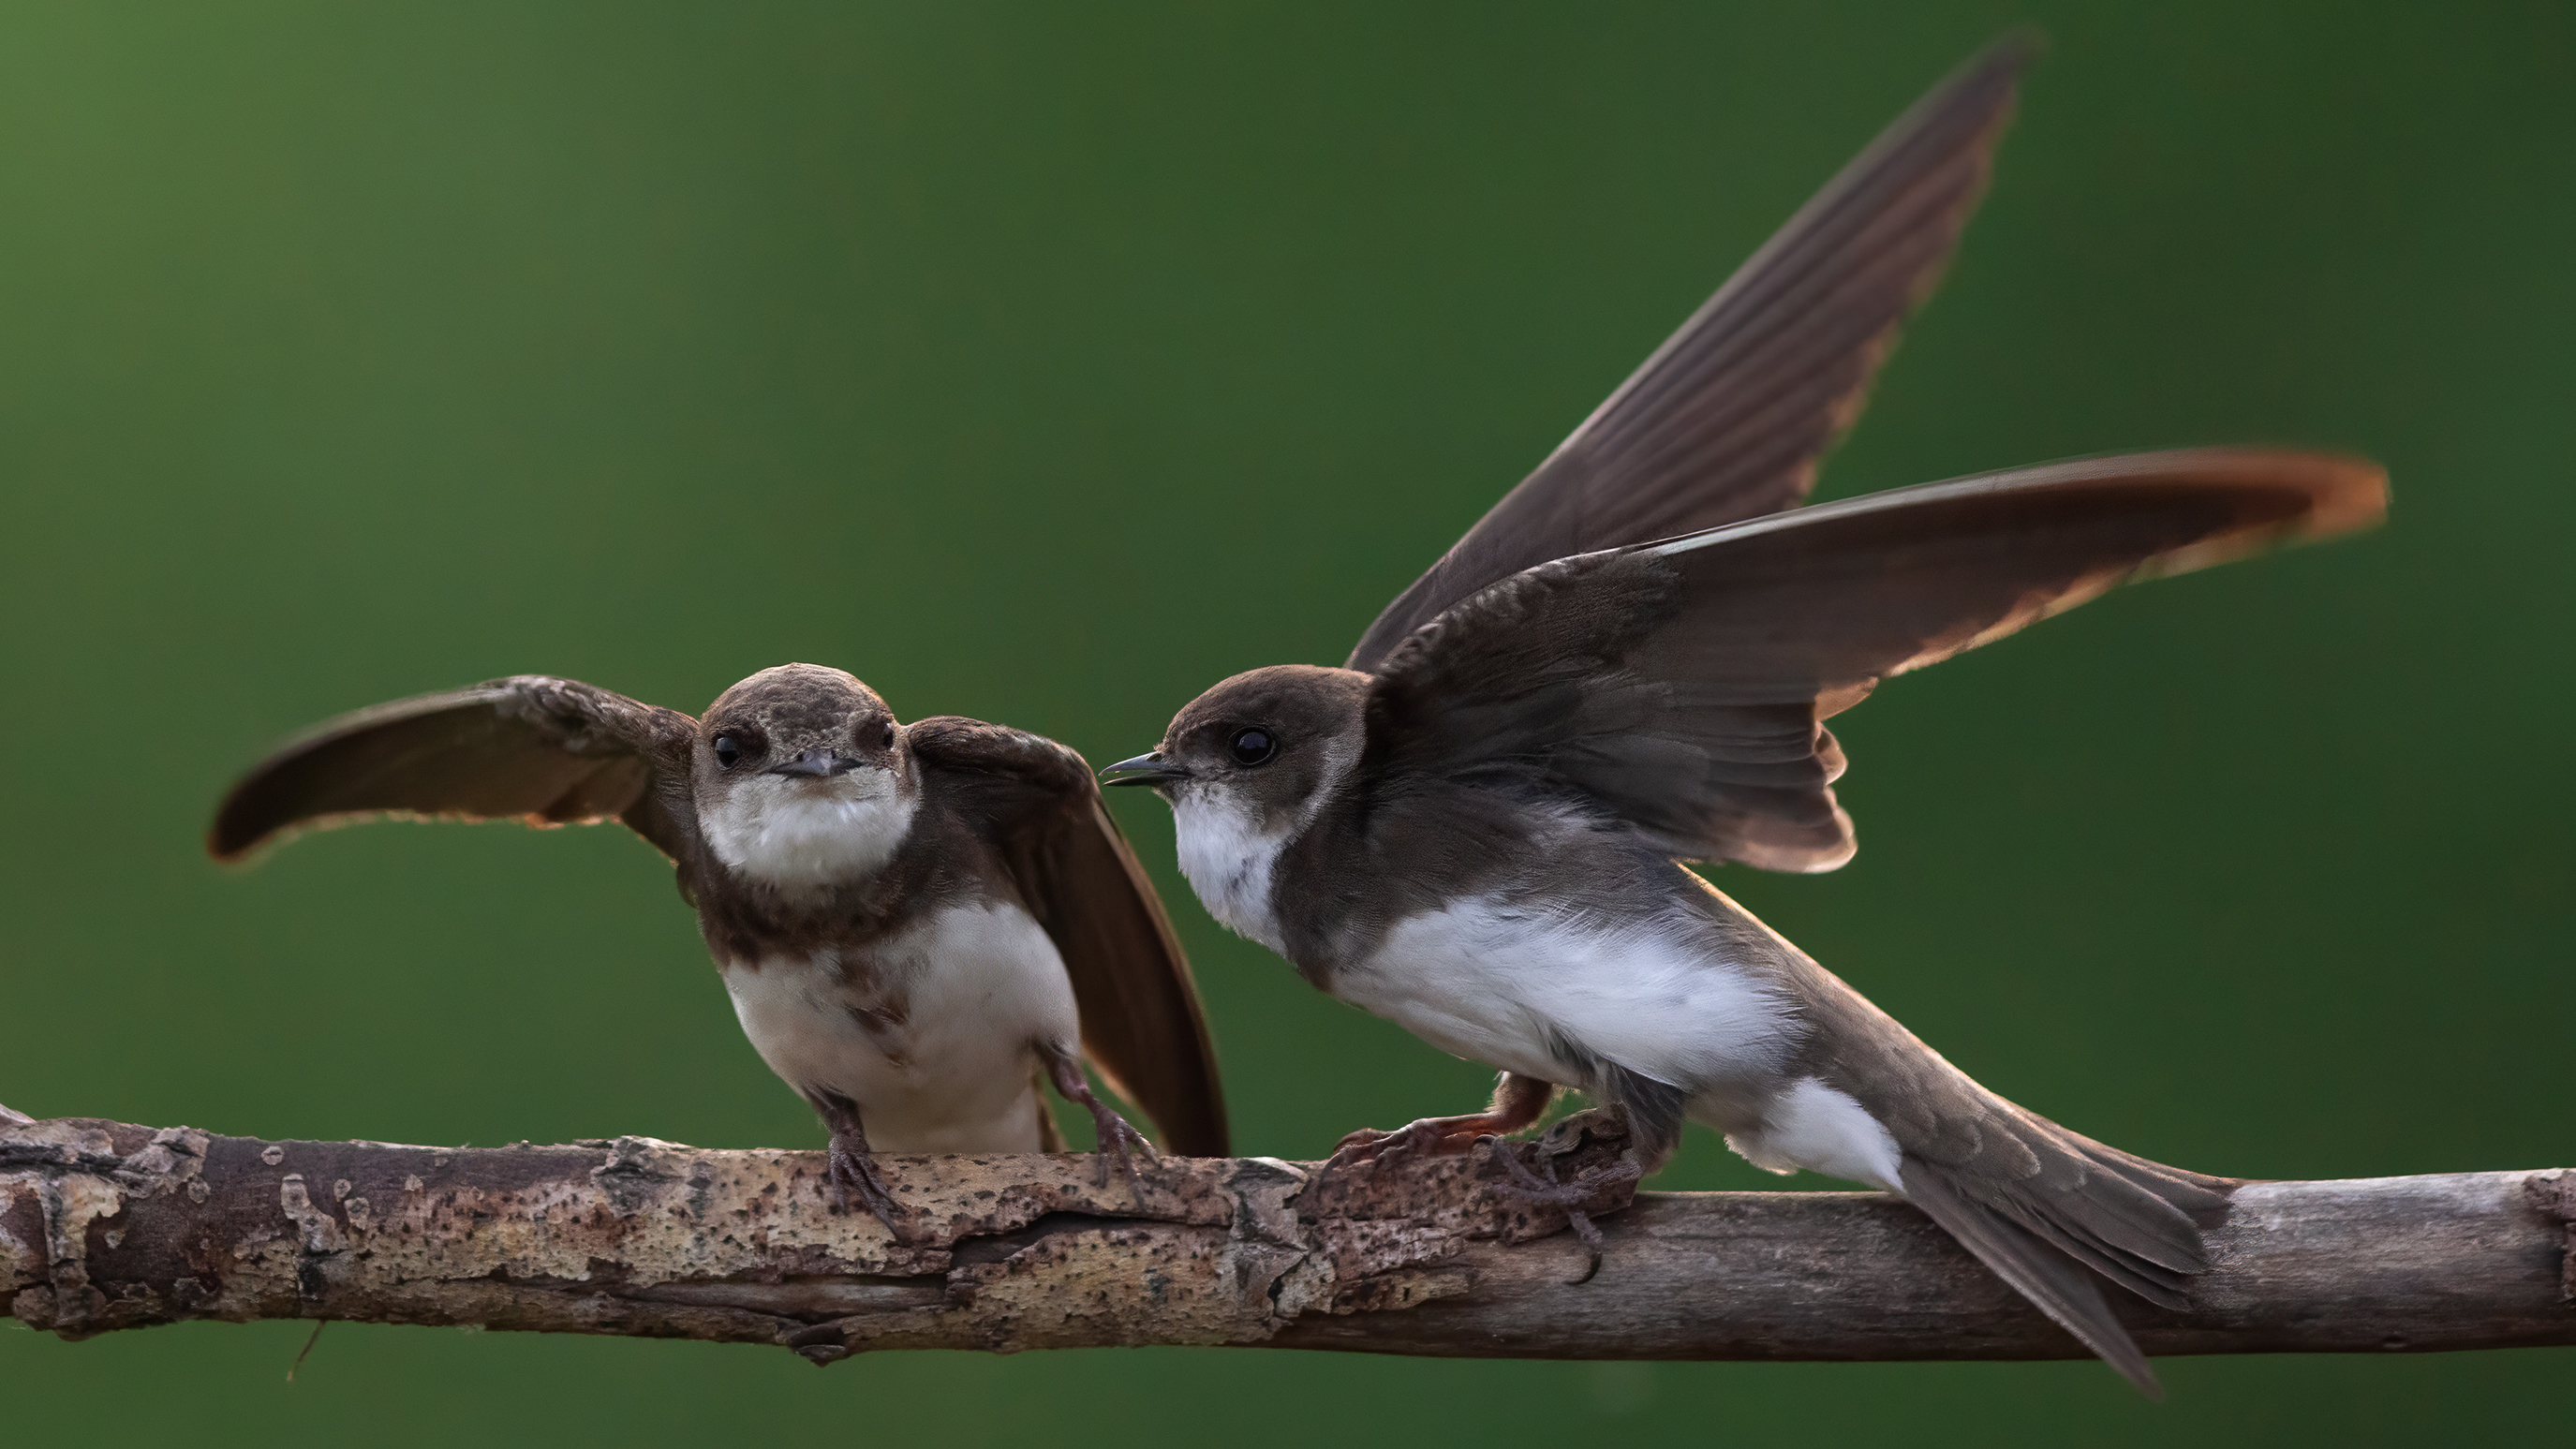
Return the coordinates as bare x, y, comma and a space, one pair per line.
1262, 747
802, 778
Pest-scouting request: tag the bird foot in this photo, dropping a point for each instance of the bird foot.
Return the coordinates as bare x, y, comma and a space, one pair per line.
1121, 1140
1118, 1138
1523, 1185
1427, 1136
851, 1173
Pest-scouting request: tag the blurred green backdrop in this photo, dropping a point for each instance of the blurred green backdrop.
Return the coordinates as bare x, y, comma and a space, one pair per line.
1036, 362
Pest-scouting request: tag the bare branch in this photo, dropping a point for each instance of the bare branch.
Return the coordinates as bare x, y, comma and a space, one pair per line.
105, 1225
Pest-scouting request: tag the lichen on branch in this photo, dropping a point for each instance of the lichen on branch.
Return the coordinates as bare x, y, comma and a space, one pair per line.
108, 1225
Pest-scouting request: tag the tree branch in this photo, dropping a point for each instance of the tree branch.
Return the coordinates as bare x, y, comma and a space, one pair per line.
106, 1225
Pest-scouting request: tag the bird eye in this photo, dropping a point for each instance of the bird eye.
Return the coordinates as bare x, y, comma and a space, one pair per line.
727, 751
1252, 746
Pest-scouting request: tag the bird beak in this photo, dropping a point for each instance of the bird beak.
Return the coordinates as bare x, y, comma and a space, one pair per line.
1150, 769
817, 762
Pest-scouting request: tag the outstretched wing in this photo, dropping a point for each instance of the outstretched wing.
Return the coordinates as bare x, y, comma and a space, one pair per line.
1683, 684
1141, 1023
1729, 418
546, 751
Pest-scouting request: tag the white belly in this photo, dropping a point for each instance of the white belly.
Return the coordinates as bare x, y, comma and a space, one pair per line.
1487, 979
976, 987
1492, 981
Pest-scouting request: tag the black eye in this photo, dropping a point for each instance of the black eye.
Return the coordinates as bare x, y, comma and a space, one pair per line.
727, 751
1252, 746
886, 741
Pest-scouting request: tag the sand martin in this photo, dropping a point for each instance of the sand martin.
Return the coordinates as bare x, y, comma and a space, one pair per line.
915, 922
1475, 827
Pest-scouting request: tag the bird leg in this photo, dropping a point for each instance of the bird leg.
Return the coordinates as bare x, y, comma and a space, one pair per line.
1521, 1183
851, 1170
1518, 1102
1117, 1138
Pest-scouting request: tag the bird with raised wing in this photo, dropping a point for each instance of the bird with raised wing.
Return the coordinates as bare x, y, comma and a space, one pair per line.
1475, 828
917, 923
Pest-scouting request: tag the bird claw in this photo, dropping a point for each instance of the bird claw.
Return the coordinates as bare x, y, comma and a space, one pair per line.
1369, 1144
1428, 1136
1117, 1138
851, 1172
1524, 1185
1120, 1139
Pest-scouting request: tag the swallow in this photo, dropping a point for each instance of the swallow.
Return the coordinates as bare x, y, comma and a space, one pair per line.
1477, 826
916, 923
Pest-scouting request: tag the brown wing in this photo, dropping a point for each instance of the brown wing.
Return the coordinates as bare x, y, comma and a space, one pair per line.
1729, 418
1141, 1022
1683, 684
546, 751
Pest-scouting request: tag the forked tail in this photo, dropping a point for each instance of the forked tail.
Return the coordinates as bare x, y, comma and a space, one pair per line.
2072, 1210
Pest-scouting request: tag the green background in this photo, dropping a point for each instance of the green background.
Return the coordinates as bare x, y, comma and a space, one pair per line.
1047, 363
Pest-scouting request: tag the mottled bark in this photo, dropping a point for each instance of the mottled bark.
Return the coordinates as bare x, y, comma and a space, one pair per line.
104, 1225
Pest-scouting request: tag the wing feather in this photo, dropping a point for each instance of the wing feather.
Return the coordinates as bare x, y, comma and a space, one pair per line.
533, 748
1729, 418
1684, 684
1142, 1025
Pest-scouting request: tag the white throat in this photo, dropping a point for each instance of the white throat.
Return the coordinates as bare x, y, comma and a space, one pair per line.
1228, 858
805, 834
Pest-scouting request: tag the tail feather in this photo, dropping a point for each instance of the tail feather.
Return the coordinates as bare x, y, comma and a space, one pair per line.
2083, 1208
2052, 1212
2156, 1284
2060, 1286
2109, 1215
2196, 1195
2104, 1217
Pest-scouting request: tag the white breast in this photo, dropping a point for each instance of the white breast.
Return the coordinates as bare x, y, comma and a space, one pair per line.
976, 988
805, 833
1487, 979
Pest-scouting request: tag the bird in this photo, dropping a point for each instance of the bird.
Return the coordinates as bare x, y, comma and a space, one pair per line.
916, 923
1478, 826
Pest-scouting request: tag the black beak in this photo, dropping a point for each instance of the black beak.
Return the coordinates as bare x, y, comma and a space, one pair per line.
817, 762
1150, 769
